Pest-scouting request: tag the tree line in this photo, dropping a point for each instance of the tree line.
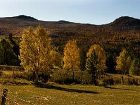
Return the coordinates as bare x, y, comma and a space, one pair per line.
39, 56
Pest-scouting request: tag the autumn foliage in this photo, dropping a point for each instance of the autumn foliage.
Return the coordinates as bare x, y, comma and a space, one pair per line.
123, 61
36, 52
38, 55
71, 57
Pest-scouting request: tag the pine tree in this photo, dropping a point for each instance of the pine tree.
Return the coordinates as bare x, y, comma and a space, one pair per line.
71, 57
91, 67
96, 62
8, 56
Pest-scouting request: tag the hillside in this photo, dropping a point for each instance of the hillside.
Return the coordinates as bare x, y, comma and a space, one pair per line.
122, 32
123, 24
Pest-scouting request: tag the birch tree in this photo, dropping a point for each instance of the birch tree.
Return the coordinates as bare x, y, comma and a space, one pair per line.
35, 50
71, 57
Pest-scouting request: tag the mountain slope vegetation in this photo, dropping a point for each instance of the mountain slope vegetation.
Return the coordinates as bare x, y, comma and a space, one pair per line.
122, 32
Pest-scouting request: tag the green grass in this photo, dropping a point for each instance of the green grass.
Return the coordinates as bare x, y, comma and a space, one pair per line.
72, 95
11, 72
12, 81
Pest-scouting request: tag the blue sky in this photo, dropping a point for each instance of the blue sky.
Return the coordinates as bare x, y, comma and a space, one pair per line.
83, 11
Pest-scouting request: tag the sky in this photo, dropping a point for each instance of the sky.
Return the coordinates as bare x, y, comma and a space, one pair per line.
80, 11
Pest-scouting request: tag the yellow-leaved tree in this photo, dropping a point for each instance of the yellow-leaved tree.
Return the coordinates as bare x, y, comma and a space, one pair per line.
71, 57
96, 62
36, 51
123, 62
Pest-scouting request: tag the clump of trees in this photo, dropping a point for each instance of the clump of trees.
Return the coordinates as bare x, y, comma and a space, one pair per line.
7, 54
37, 54
126, 64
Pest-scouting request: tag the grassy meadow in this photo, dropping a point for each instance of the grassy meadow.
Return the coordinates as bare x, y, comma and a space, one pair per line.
22, 92
72, 95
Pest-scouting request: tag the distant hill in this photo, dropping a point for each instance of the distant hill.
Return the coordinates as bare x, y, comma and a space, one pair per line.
15, 24
126, 21
23, 17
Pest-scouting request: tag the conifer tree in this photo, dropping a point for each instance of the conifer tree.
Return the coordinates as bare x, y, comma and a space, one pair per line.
96, 62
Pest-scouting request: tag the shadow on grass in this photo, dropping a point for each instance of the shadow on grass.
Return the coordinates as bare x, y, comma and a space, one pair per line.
48, 86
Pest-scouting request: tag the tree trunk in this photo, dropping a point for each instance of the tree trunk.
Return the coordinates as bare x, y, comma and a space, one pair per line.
36, 77
73, 75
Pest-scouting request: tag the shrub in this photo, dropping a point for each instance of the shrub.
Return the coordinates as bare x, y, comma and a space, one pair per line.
43, 76
18, 75
121, 79
61, 76
86, 78
1, 73
108, 81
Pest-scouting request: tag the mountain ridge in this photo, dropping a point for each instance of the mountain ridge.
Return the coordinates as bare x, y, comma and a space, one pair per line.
123, 20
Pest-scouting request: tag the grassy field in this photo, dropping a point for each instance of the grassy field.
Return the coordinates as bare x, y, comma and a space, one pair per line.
72, 95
